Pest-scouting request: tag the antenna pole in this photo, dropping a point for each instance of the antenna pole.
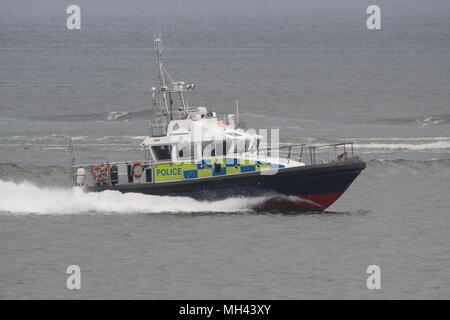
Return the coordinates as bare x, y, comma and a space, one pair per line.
162, 81
158, 52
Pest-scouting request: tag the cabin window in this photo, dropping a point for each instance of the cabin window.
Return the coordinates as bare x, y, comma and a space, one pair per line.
162, 152
218, 149
239, 146
209, 149
227, 147
185, 150
247, 145
222, 148
252, 145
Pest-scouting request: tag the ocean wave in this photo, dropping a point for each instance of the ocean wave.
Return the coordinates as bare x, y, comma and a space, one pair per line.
113, 115
62, 137
399, 139
424, 163
17, 171
10, 119
392, 167
441, 119
441, 144
63, 142
28, 198
401, 143
383, 144
127, 115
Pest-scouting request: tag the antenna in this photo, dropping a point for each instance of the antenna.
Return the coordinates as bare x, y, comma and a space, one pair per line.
164, 94
237, 110
158, 52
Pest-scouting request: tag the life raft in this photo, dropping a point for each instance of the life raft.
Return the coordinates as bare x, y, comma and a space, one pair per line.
137, 169
100, 173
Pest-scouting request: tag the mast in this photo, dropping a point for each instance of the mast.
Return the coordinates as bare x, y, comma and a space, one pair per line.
158, 51
162, 81
163, 97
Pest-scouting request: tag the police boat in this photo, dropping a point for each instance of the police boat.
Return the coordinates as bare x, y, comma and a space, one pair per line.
190, 152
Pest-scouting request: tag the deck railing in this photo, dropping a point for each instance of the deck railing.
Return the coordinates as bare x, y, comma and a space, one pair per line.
90, 167
334, 152
317, 154
289, 152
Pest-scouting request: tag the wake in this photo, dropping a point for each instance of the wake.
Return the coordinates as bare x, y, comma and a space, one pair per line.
28, 198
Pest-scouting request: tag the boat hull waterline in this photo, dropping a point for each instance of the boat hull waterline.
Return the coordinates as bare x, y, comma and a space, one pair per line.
307, 188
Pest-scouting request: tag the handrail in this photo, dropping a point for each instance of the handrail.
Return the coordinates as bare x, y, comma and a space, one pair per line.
312, 150
268, 149
109, 162
289, 147
333, 145
258, 150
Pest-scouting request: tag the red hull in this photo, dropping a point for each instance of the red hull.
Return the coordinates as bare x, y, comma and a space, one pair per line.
315, 202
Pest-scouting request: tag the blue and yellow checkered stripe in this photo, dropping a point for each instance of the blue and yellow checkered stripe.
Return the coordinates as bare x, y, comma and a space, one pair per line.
207, 168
